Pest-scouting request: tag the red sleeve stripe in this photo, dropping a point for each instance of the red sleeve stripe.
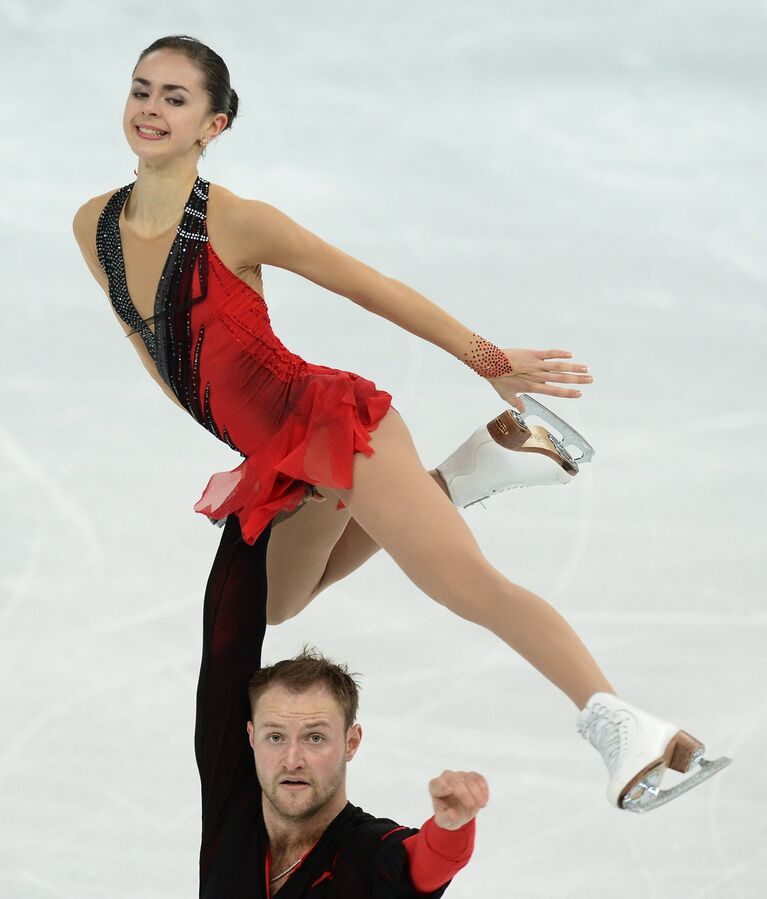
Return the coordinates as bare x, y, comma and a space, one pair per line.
389, 833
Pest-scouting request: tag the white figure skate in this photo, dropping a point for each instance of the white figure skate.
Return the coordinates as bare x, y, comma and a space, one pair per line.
638, 748
509, 453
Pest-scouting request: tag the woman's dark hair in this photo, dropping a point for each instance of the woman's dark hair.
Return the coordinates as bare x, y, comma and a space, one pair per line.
215, 74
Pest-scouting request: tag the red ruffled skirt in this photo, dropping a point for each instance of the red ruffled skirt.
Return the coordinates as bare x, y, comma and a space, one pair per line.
316, 444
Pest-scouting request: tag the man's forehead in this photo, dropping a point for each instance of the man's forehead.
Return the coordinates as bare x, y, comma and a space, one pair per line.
315, 703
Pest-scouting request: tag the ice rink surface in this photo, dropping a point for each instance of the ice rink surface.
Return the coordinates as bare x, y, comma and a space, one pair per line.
580, 174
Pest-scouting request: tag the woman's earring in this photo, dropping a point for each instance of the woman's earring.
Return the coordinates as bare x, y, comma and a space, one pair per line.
203, 144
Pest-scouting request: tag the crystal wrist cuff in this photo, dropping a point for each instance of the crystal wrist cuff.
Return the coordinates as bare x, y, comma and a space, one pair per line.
486, 359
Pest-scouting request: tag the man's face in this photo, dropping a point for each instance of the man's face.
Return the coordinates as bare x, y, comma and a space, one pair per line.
301, 747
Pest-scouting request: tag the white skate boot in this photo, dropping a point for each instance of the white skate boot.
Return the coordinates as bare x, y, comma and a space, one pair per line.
509, 453
637, 748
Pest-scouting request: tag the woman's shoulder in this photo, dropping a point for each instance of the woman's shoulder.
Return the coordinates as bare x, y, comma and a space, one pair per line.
258, 232
238, 228
236, 210
87, 217
84, 226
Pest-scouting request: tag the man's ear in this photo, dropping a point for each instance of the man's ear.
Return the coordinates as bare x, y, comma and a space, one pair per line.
251, 734
353, 740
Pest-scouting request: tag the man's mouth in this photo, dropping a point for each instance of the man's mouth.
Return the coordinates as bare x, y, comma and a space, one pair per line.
293, 783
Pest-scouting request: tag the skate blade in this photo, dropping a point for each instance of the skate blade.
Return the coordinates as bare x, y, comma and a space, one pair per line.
510, 431
566, 437
647, 795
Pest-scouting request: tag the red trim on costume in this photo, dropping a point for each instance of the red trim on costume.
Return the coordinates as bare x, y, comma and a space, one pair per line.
436, 855
393, 830
328, 875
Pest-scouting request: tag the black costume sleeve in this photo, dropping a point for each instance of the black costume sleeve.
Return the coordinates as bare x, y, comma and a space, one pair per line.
369, 860
391, 875
234, 623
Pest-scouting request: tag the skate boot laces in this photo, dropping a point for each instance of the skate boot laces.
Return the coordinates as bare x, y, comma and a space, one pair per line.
637, 748
607, 731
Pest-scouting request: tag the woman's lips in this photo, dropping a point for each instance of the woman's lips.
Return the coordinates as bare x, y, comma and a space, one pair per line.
150, 135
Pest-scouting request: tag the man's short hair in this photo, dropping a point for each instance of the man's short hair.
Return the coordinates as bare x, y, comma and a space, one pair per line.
309, 669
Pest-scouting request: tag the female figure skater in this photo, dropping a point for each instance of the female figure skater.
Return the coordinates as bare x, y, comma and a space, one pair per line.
181, 262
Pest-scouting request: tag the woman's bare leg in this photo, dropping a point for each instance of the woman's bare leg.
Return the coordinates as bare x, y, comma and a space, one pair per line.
318, 546
354, 547
402, 509
312, 548
297, 555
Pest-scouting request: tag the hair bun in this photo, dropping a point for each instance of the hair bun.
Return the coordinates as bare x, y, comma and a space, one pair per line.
234, 103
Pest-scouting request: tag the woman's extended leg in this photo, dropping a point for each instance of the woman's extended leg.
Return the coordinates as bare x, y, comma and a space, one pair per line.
401, 508
309, 550
503, 454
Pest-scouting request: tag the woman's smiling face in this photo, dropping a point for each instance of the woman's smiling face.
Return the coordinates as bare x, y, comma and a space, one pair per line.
168, 109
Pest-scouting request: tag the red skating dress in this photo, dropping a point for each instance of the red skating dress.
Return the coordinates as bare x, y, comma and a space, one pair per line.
295, 423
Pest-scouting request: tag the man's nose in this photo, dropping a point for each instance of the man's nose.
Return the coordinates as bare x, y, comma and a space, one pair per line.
294, 755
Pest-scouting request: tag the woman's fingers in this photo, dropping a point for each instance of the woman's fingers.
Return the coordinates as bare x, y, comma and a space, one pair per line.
568, 366
554, 354
562, 378
549, 377
538, 371
565, 392
509, 394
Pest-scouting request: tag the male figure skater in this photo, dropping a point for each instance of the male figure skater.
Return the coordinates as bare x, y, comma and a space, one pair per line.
275, 817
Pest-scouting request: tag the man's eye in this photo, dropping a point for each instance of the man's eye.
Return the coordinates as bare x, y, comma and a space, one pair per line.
273, 738
316, 739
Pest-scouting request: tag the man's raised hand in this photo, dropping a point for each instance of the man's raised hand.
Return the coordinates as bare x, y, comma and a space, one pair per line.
457, 797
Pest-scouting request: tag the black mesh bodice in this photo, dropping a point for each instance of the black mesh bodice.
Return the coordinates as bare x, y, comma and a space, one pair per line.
173, 345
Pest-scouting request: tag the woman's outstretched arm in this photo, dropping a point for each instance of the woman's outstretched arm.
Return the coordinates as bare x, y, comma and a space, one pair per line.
275, 239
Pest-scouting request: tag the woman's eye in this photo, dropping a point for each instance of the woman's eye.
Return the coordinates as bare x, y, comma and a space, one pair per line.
174, 101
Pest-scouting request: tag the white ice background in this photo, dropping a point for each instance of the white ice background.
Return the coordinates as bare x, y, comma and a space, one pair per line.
580, 174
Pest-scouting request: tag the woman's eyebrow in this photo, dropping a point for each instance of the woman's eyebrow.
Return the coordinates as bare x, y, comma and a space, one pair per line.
165, 87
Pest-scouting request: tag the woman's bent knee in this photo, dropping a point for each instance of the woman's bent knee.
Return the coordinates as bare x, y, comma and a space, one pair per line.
279, 613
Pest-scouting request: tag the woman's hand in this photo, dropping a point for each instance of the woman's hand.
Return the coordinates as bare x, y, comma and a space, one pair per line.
535, 372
